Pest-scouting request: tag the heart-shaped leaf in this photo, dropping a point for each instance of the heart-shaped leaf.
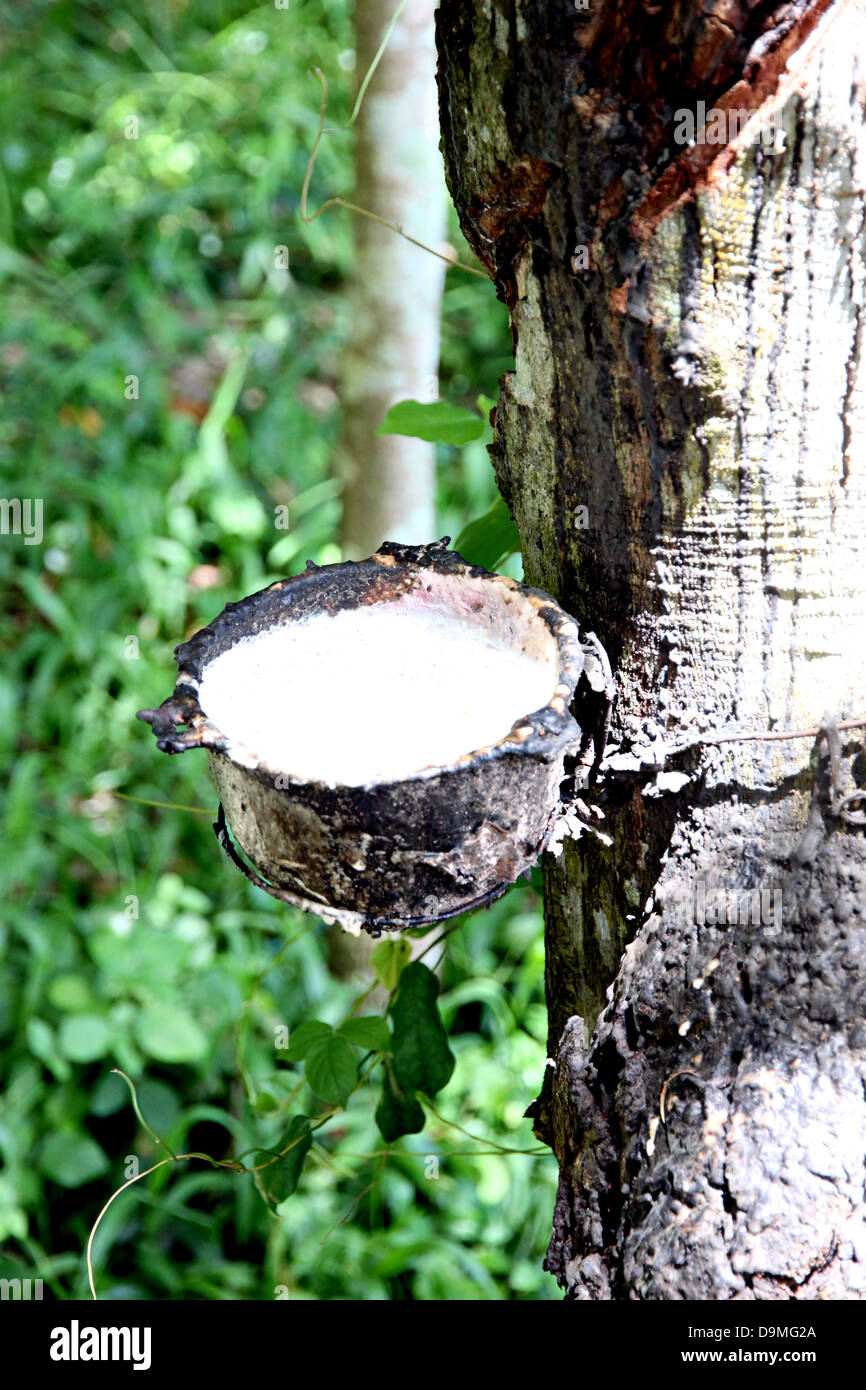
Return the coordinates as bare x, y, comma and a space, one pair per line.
302, 1038
331, 1069
372, 1033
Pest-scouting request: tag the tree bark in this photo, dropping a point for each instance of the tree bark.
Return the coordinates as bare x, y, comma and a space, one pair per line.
687, 323
395, 294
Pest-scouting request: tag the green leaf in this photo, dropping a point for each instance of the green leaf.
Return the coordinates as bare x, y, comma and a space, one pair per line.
72, 1159
84, 1037
43, 1044
159, 1104
281, 1178
273, 1091
169, 1035
238, 514
109, 1095
371, 1033
397, 1114
423, 1060
52, 608
40, 1038
304, 1036
265, 1101
489, 539
436, 421
388, 960
331, 1069
69, 993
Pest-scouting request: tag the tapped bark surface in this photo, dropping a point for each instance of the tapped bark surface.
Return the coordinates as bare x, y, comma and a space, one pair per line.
683, 446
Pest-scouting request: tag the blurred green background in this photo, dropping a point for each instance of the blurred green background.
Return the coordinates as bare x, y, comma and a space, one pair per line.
151, 257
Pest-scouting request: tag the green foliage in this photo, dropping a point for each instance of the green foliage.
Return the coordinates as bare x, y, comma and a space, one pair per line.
128, 941
84, 1037
388, 960
331, 1070
282, 1177
423, 1060
369, 1033
438, 422
490, 539
305, 1037
169, 1035
397, 1113
71, 1159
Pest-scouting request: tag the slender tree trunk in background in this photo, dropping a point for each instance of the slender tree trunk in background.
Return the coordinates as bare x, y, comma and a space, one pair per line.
395, 299
688, 322
395, 305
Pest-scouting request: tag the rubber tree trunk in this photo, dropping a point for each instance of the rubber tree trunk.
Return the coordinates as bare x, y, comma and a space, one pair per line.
683, 446
395, 295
